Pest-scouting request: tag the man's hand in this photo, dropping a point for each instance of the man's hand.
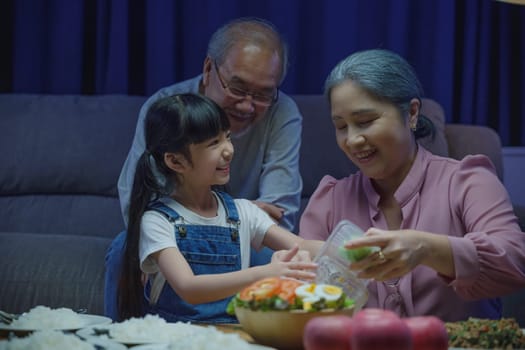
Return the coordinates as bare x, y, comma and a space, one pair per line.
274, 211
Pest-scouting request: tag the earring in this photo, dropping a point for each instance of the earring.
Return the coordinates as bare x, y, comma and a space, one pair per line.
413, 127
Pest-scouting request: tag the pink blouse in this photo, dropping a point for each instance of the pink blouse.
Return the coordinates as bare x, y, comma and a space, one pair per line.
462, 199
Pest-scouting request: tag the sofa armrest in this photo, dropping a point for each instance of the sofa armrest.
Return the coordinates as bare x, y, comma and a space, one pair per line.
519, 210
474, 139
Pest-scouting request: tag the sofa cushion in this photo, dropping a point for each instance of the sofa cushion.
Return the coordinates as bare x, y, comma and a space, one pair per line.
71, 214
64, 159
52, 270
65, 144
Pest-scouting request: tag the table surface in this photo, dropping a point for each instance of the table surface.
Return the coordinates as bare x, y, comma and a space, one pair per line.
232, 328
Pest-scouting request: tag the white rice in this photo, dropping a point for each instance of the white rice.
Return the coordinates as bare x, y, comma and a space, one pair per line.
46, 340
180, 335
210, 339
43, 317
151, 328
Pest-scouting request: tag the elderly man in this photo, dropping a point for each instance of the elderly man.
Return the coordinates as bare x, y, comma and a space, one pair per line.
245, 64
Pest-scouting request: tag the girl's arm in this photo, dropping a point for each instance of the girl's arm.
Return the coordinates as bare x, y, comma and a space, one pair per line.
197, 289
278, 238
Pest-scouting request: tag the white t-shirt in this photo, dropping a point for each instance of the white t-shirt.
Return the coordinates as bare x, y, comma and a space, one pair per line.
156, 232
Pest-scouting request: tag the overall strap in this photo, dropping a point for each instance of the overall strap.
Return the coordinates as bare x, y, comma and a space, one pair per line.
162, 208
229, 204
171, 215
232, 215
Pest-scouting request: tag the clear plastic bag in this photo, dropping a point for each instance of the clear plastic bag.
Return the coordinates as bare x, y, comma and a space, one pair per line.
333, 266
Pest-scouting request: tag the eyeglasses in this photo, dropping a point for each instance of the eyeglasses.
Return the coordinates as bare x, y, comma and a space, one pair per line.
262, 99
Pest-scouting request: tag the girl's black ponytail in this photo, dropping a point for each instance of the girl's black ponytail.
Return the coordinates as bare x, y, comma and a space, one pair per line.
130, 288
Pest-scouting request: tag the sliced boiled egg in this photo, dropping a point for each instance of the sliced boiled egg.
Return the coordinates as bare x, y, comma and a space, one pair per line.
328, 292
305, 290
307, 294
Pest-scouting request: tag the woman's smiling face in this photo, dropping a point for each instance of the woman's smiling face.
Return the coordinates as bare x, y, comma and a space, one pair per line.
372, 133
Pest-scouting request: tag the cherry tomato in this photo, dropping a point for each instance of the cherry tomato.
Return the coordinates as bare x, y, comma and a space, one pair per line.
287, 291
261, 289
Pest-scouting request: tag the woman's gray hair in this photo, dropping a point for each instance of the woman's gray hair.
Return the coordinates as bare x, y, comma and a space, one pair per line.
385, 75
248, 29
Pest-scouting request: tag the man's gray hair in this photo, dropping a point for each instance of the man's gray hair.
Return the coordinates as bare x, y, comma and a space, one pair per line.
248, 29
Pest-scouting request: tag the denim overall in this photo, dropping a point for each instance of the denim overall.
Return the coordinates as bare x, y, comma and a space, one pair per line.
208, 250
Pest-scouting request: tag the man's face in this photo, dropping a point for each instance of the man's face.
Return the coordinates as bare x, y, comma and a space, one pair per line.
245, 85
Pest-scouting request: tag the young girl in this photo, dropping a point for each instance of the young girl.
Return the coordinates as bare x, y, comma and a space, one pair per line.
183, 232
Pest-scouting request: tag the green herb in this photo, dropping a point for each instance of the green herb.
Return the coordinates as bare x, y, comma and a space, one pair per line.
476, 333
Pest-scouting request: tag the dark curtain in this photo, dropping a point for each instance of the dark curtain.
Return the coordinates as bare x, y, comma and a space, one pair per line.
469, 54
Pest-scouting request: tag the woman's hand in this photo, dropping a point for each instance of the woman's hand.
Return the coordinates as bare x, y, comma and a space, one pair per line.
402, 251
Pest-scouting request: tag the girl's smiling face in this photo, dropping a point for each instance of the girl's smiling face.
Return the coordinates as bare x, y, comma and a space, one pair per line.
210, 161
372, 133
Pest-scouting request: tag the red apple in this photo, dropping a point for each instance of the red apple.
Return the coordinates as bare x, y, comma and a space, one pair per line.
375, 313
376, 329
428, 333
328, 333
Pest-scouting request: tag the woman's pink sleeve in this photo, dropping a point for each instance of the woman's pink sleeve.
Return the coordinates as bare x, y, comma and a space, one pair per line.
491, 260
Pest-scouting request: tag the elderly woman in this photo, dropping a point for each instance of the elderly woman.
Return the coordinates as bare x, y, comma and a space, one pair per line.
450, 242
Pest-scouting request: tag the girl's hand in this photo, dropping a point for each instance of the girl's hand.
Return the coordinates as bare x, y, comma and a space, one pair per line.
304, 271
293, 254
292, 263
401, 251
